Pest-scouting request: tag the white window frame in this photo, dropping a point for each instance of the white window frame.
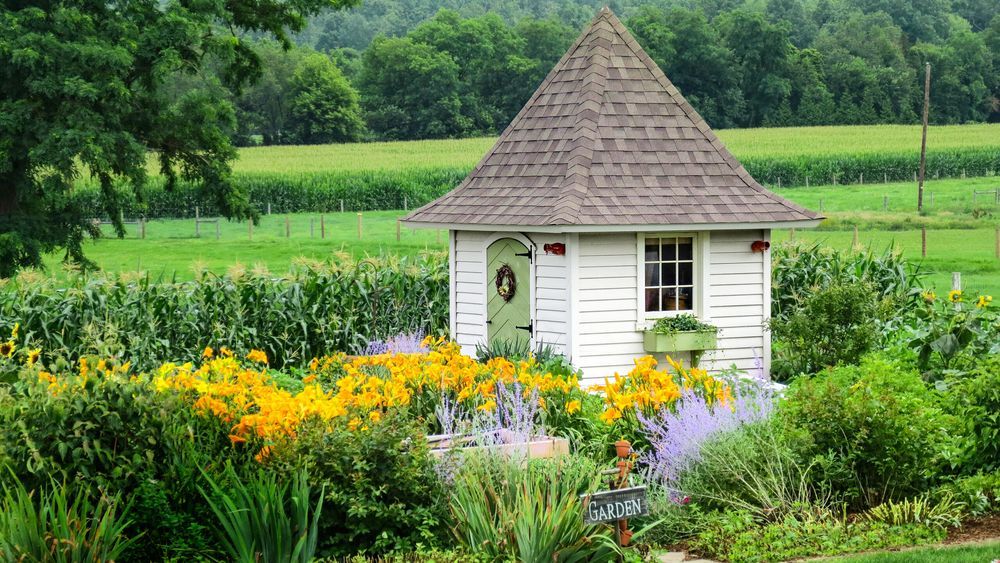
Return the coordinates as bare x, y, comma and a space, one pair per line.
700, 260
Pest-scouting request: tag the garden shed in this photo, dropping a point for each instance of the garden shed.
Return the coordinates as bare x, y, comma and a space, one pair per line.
608, 203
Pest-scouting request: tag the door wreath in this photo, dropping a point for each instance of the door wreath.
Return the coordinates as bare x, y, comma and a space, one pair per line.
506, 282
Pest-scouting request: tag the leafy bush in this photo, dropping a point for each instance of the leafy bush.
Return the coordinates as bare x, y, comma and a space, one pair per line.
510, 509
263, 519
952, 334
980, 493
103, 430
311, 312
833, 325
875, 432
382, 493
735, 536
751, 469
976, 400
54, 525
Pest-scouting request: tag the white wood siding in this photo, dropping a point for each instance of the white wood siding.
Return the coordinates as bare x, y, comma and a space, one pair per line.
608, 337
739, 286
550, 303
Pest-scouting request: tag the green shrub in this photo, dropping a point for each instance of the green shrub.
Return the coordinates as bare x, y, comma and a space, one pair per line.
264, 519
736, 537
977, 402
952, 336
980, 493
875, 432
834, 325
311, 312
106, 432
510, 509
752, 469
55, 526
382, 492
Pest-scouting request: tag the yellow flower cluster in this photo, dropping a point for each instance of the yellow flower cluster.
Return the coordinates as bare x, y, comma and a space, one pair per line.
356, 391
7, 348
88, 370
648, 389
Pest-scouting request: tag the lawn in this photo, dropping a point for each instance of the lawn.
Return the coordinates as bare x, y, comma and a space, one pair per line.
977, 553
744, 143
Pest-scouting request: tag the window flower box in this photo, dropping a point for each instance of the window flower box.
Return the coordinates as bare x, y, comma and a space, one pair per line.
682, 333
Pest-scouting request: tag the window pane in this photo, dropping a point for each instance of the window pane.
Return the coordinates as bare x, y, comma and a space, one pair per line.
685, 300
684, 249
652, 275
670, 299
685, 273
669, 273
652, 250
652, 299
669, 249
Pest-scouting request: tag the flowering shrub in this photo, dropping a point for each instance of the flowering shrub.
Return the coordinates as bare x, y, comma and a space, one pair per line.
953, 333
648, 391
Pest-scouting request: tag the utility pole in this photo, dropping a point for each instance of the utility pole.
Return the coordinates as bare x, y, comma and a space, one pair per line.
923, 138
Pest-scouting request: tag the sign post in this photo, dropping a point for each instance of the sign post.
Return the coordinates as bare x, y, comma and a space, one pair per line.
620, 502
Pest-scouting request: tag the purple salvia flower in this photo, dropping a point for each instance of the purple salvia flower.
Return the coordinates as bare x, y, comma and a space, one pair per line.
403, 343
676, 437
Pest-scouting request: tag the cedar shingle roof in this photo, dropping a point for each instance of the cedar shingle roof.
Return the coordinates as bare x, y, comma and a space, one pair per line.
608, 140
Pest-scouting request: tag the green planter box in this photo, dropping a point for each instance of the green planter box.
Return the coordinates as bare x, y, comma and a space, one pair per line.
680, 341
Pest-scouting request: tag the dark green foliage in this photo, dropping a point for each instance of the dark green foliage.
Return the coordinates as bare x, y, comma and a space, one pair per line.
84, 90
977, 404
382, 493
311, 312
324, 106
831, 326
106, 433
949, 337
875, 432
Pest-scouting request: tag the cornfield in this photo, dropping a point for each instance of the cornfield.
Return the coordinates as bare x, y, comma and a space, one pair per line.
398, 175
315, 310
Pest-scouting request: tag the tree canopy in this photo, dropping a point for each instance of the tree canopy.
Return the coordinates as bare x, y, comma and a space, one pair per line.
84, 90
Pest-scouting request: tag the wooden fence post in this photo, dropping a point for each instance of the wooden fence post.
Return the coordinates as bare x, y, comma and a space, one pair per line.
250, 229
885, 203
341, 206
322, 226
288, 227
406, 204
359, 225
197, 223
142, 227
956, 285
854, 241
269, 208
998, 243
218, 232
791, 234
923, 242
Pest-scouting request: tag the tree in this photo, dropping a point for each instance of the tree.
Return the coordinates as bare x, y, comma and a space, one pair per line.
691, 54
264, 108
82, 92
410, 91
324, 106
762, 51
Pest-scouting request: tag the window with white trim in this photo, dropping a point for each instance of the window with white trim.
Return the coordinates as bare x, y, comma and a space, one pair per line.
669, 275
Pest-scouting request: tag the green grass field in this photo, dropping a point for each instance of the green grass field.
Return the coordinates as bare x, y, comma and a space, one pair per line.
976, 553
957, 241
744, 143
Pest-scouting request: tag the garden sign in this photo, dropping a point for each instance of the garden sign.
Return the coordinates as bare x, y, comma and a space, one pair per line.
608, 506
